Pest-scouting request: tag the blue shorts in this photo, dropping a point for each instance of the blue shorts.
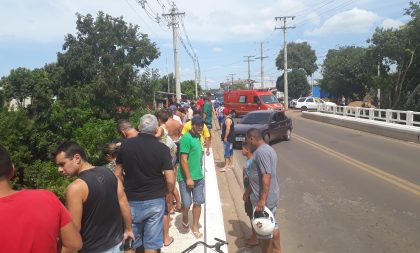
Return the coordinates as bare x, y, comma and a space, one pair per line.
221, 120
147, 222
197, 193
119, 248
228, 147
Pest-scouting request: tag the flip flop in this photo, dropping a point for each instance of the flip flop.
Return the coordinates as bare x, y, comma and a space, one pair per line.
197, 234
172, 240
185, 226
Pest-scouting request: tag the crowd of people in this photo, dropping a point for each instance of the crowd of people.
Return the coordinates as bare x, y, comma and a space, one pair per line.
126, 204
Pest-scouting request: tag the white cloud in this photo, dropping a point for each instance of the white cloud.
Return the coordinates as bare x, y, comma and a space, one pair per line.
353, 21
217, 50
300, 41
391, 23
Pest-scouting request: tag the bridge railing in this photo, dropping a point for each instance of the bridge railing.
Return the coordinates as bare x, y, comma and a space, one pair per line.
409, 118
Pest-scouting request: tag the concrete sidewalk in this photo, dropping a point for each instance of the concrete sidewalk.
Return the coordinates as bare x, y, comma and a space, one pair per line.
237, 223
211, 219
227, 192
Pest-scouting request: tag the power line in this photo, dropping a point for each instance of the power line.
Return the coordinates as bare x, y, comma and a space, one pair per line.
151, 13
335, 8
138, 14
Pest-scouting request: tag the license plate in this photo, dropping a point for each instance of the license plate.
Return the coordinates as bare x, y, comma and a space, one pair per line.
240, 139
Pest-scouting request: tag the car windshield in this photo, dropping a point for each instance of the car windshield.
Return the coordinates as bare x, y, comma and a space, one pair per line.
269, 99
256, 118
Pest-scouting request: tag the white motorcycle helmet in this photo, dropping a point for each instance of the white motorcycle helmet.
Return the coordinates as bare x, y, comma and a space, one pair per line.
263, 222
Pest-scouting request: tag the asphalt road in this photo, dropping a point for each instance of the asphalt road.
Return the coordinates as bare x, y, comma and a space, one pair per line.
346, 191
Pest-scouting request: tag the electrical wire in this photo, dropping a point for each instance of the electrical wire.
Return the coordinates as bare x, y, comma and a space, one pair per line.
334, 9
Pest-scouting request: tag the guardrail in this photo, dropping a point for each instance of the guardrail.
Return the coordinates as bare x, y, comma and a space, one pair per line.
409, 118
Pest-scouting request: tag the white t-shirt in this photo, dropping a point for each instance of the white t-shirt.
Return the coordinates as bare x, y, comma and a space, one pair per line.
190, 113
177, 118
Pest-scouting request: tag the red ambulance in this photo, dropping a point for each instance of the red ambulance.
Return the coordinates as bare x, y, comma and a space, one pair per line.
240, 102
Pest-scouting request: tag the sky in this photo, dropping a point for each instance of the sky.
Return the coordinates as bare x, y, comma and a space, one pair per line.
221, 32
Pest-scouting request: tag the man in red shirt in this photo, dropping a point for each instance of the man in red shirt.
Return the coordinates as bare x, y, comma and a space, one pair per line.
32, 220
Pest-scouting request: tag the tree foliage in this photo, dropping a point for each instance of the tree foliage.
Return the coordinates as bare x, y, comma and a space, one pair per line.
188, 88
348, 71
101, 63
299, 56
297, 84
100, 76
397, 53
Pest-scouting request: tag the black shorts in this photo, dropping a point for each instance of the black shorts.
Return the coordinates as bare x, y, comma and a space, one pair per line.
248, 208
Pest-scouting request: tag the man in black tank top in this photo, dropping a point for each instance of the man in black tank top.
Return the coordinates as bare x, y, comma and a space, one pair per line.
228, 137
96, 201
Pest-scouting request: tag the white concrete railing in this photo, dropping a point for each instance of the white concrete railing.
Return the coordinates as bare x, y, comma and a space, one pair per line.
213, 215
409, 118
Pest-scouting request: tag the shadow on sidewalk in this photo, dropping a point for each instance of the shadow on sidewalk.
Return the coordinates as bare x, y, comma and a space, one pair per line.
242, 231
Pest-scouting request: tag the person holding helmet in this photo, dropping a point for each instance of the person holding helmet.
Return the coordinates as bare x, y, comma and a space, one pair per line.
264, 192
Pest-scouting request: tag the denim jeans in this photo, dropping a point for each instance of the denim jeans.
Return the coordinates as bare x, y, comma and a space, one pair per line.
147, 221
197, 193
116, 249
228, 148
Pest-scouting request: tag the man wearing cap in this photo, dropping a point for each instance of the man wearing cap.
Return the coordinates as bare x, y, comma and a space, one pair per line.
190, 175
205, 136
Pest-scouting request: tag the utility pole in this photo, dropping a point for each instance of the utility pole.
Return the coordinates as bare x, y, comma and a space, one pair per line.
205, 83
167, 73
379, 90
249, 70
262, 65
174, 23
231, 80
284, 28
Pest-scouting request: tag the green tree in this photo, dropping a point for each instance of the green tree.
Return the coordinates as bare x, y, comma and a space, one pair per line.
188, 88
396, 51
299, 56
243, 85
15, 132
348, 71
44, 175
19, 86
41, 95
104, 58
3, 101
297, 83
93, 135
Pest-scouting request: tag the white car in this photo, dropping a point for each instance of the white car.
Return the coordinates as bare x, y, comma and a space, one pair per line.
311, 103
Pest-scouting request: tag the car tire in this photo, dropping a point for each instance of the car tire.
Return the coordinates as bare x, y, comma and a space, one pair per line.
234, 115
288, 135
237, 145
266, 138
304, 108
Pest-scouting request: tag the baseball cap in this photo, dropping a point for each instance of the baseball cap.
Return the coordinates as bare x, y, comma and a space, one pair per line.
225, 111
197, 120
